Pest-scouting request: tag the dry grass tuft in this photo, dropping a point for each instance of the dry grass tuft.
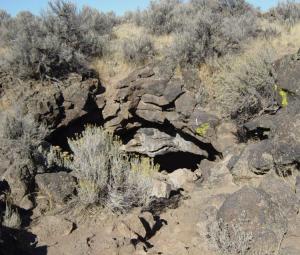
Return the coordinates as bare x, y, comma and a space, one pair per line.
11, 218
113, 67
111, 70
3, 51
225, 78
288, 42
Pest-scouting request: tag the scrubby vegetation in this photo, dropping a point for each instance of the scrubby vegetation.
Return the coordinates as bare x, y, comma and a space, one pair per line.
11, 218
287, 12
57, 42
138, 50
197, 34
63, 39
201, 97
106, 175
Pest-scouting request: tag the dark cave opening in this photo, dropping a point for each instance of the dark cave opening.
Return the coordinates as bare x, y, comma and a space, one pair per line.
175, 160
61, 135
244, 135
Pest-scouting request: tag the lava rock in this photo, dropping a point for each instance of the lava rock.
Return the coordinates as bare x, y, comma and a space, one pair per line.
282, 193
250, 221
58, 186
153, 142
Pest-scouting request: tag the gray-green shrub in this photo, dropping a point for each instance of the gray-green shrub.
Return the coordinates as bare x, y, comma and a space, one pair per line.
287, 12
23, 129
159, 15
194, 44
5, 26
205, 29
138, 50
59, 41
106, 175
245, 84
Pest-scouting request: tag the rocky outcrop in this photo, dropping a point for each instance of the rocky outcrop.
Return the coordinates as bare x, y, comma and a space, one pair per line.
278, 133
18, 169
55, 103
158, 115
288, 77
283, 193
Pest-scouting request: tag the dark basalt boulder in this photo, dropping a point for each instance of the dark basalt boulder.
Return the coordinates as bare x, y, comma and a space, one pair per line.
55, 104
279, 129
281, 141
254, 159
248, 222
288, 73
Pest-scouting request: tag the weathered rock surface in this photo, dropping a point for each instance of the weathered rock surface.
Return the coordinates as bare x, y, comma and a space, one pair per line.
52, 228
281, 130
157, 114
53, 103
59, 187
18, 169
162, 116
282, 193
254, 159
251, 222
153, 142
288, 77
280, 150
182, 178
161, 189
56, 105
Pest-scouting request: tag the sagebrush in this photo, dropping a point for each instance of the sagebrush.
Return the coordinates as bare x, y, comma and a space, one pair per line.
57, 42
106, 175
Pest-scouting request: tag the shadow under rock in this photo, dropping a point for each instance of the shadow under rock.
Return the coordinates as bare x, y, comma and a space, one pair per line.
19, 242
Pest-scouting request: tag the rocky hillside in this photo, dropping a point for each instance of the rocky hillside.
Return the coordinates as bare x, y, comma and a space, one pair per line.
179, 154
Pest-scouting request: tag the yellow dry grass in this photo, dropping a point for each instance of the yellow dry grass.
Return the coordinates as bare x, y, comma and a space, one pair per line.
218, 76
288, 42
162, 42
3, 51
128, 30
114, 68
111, 70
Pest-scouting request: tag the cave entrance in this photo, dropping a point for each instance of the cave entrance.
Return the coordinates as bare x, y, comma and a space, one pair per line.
61, 135
175, 160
